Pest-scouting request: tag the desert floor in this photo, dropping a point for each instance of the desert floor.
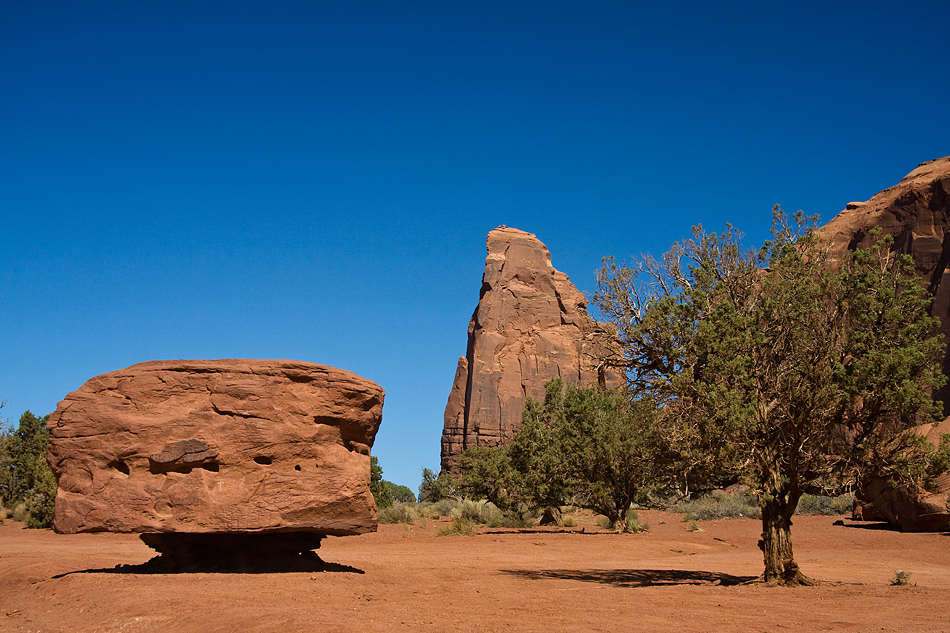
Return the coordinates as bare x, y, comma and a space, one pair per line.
402, 579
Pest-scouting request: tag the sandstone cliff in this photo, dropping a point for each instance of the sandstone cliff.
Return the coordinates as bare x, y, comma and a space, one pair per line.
530, 325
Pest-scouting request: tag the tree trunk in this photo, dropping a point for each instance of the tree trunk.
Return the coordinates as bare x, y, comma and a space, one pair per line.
776, 545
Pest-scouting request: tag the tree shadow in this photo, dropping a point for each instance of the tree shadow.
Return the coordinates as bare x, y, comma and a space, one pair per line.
634, 577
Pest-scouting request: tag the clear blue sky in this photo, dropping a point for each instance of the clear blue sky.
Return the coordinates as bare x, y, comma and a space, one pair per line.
315, 180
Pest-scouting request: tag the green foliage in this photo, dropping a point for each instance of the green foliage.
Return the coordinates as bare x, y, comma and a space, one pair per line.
720, 505
436, 487
438, 509
832, 506
398, 512
591, 446
461, 526
25, 478
385, 493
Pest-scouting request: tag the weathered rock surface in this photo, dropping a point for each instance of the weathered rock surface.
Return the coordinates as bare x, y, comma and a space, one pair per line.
916, 212
911, 508
201, 446
530, 325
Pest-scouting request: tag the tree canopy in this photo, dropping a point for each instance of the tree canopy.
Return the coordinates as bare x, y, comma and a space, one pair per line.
589, 447
25, 477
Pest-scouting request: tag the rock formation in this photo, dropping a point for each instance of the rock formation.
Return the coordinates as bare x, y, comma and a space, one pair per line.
530, 325
911, 508
217, 446
916, 212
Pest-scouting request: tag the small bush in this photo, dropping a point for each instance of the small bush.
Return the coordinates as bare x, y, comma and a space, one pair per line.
460, 526
901, 577
567, 520
20, 513
441, 508
633, 522
398, 512
720, 505
810, 504
694, 527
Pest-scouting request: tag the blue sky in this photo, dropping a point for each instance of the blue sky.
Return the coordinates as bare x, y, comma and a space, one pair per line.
315, 180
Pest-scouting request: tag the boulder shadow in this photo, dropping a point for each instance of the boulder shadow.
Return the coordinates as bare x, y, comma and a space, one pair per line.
635, 577
229, 553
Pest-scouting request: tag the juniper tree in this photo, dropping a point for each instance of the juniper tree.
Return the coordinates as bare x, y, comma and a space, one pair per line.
782, 368
587, 446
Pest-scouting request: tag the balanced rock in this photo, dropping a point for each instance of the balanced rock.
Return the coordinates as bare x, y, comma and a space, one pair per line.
916, 213
530, 325
217, 446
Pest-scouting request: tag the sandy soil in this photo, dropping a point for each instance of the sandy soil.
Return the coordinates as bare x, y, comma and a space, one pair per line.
668, 579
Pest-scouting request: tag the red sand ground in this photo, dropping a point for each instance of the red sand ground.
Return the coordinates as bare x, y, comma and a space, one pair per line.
668, 579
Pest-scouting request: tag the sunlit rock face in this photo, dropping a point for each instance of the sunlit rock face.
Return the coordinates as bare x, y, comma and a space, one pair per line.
916, 212
531, 325
200, 446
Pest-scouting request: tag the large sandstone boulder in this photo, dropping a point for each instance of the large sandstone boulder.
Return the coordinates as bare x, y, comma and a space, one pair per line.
217, 446
916, 212
530, 325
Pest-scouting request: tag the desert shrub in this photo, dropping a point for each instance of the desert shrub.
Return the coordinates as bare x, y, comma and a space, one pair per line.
398, 512
901, 577
20, 513
461, 526
811, 504
441, 508
385, 493
720, 505
567, 520
436, 487
631, 525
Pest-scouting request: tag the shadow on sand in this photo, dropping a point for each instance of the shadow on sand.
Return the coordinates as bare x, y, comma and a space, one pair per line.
229, 553
161, 565
634, 577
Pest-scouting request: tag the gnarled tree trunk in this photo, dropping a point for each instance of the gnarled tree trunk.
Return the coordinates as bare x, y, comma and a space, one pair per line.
776, 543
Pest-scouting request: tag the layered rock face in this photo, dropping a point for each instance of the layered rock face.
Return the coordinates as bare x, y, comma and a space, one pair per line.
916, 212
531, 325
204, 446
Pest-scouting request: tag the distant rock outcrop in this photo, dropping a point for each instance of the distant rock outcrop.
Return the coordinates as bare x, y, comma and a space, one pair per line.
531, 325
217, 446
916, 212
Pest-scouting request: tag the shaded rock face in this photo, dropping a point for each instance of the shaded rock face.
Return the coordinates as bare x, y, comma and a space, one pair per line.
531, 325
202, 446
911, 508
916, 212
